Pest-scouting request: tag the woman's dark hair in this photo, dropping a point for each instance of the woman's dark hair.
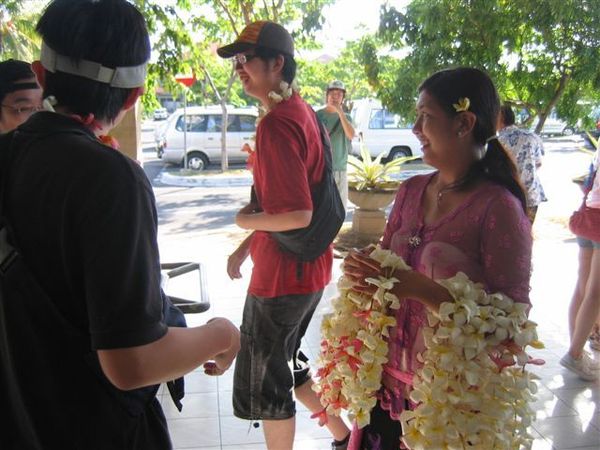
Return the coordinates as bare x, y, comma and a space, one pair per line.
508, 116
288, 73
110, 32
450, 85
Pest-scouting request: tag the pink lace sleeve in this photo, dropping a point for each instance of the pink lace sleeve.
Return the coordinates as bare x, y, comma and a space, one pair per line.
506, 248
395, 218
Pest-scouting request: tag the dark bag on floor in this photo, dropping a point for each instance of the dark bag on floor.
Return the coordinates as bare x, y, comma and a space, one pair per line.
585, 222
174, 318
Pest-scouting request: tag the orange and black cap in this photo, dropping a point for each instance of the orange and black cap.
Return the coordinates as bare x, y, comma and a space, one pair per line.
261, 33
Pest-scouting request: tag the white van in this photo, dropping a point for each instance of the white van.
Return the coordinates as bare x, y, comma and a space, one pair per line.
382, 131
204, 135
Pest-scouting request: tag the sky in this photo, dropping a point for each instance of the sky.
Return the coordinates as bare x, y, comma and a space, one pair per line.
348, 20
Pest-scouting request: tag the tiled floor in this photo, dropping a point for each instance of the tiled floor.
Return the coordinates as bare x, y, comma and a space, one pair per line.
568, 409
568, 414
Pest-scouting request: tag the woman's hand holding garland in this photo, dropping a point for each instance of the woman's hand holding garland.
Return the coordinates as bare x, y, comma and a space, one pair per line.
472, 391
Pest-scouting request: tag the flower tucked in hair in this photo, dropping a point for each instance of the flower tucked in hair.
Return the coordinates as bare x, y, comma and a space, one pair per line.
462, 105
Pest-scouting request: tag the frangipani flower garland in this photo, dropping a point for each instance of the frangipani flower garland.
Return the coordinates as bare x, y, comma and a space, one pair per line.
286, 91
353, 349
473, 390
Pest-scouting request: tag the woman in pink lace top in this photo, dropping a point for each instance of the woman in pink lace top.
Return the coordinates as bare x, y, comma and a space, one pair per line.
468, 216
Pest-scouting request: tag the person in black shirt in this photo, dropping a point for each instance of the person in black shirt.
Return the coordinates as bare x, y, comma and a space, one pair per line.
81, 358
20, 95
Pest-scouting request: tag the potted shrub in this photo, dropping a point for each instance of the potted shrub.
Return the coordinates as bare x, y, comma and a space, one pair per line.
371, 189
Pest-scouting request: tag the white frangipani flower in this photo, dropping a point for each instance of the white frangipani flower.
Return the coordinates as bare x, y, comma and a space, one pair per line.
473, 377
353, 349
472, 391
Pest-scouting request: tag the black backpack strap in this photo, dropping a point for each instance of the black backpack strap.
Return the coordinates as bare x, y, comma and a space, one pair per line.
335, 127
327, 152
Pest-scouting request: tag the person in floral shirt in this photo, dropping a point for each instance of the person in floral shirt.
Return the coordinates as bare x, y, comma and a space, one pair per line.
469, 216
527, 149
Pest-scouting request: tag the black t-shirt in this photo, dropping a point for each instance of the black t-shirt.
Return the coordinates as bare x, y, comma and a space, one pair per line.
84, 218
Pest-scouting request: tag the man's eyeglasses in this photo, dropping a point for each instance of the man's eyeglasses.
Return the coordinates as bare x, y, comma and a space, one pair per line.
241, 59
23, 110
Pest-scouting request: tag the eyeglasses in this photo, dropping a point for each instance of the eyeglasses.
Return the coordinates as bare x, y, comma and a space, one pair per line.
241, 59
23, 110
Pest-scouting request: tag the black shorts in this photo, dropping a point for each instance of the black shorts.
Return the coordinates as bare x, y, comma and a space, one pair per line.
270, 364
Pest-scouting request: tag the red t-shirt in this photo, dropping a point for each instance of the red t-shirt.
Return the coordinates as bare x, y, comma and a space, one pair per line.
289, 161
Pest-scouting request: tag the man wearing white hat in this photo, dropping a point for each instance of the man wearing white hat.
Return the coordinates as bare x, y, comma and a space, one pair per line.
341, 132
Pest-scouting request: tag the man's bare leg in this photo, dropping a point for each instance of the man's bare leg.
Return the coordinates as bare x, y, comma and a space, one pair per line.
308, 398
279, 434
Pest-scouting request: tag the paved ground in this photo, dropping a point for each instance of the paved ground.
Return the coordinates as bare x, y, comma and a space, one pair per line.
197, 227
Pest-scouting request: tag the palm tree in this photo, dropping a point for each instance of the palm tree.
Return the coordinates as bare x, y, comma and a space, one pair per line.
18, 38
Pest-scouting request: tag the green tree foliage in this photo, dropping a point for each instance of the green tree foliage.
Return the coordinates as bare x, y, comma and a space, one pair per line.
315, 74
542, 54
185, 35
18, 39
190, 31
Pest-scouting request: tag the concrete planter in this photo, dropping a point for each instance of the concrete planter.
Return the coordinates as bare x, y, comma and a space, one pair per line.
369, 217
371, 200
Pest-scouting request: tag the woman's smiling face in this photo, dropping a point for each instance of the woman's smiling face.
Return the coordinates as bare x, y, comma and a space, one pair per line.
435, 129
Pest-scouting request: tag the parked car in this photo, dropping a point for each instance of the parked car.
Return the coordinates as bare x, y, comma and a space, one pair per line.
204, 125
382, 131
555, 126
161, 114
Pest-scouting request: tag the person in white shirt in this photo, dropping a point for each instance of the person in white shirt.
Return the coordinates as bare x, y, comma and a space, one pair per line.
527, 149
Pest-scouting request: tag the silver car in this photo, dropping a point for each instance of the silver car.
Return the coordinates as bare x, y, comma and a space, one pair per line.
203, 130
160, 114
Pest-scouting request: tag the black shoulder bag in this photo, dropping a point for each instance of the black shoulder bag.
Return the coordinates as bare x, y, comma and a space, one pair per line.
328, 215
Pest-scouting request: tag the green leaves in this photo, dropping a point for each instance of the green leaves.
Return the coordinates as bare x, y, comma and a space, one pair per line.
18, 38
535, 50
371, 173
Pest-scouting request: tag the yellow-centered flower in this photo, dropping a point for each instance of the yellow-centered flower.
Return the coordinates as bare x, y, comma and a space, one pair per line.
462, 105
473, 386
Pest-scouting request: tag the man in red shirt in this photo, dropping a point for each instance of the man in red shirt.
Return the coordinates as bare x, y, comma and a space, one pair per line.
282, 296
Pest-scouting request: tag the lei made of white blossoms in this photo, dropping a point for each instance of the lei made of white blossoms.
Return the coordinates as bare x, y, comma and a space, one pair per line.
353, 348
286, 91
473, 390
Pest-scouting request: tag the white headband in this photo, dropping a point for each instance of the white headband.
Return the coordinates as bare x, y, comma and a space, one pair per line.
120, 77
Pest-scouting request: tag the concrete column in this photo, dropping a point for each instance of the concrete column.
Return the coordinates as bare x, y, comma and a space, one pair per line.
129, 133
